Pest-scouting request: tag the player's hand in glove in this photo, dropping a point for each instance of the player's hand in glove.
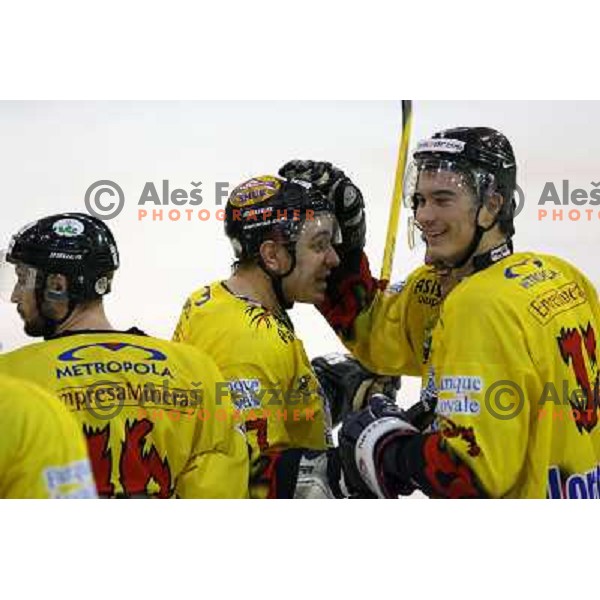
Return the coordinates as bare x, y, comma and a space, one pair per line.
348, 385
333, 183
364, 441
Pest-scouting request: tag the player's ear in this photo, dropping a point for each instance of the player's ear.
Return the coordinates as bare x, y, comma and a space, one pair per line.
491, 209
274, 256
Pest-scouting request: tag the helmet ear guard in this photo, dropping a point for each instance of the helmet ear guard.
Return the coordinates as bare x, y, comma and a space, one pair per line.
53, 288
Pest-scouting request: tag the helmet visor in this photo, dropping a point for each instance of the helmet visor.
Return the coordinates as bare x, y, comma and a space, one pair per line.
15, 277
434, 178
319, 232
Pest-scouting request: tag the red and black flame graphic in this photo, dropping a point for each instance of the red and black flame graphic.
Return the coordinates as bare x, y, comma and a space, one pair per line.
446, 476
575, 345
260, 316
449, 429
438, 470
101, 458
138, 465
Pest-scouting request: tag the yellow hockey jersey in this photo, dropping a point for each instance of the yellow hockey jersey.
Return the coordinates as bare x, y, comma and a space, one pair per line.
513, 362
413, 305
156, 422
42, 450
274, 387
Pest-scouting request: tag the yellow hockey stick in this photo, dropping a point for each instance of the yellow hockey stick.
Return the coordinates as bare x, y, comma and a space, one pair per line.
390, 240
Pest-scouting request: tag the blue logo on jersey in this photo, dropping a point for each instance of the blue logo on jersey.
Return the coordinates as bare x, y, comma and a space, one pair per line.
245, 393
70, 355
578, 485
396, 288
514, 271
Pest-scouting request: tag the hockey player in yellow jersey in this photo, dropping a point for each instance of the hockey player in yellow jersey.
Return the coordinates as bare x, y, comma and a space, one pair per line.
282, 234
42, 450
507, 344
155, 419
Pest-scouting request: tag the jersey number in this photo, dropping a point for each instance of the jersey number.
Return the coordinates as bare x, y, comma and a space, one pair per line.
137, 464
260, 426
575, 345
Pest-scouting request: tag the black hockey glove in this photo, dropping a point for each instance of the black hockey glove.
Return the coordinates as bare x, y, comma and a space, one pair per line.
348, 385
333, 183
363, 439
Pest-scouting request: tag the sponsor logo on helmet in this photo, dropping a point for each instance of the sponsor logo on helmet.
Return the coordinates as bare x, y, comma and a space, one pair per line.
254, 191
441, 145
68, 227
114, 254
65, 256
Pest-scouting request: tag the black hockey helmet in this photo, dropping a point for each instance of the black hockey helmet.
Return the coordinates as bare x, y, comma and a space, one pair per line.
268, 208
76, 245
485, 161
483, 155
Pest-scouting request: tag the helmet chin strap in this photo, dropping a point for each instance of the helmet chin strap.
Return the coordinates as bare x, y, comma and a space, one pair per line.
42, 295
277, 280
473, 245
